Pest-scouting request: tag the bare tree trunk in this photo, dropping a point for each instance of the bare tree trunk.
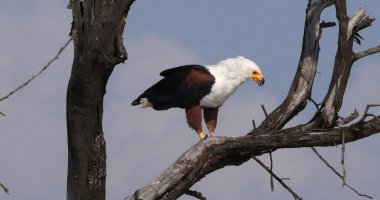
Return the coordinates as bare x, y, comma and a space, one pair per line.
98, 47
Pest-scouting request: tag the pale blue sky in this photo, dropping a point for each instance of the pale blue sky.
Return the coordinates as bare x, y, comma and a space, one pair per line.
142, 143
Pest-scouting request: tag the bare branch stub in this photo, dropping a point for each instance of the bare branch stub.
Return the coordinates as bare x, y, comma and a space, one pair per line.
365, 53
348, 119
324, 24
195, 194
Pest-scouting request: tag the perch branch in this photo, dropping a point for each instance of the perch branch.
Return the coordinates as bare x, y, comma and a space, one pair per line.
296, 197
210, 154
2, 114
339, 175
195, 194
6, 190
365, 53
39, 72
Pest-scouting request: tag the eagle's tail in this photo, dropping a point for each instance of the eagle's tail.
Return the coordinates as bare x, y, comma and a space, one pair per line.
143, 102
136, 102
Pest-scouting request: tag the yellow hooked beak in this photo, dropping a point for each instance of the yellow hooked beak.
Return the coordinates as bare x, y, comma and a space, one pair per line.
258, 77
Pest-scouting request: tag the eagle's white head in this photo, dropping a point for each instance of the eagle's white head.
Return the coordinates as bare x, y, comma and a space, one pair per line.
240, 69
229, 75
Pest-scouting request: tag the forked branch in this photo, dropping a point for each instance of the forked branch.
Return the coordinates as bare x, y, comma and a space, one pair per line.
338, 174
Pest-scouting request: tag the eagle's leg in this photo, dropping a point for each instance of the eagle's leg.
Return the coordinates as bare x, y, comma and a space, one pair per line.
211, 117
194, 119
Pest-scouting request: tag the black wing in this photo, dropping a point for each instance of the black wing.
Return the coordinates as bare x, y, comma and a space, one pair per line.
181, 87
167, 72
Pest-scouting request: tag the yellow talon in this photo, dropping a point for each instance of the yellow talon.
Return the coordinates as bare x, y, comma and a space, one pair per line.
201, 135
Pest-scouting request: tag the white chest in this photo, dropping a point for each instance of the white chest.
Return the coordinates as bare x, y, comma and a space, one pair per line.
220, 91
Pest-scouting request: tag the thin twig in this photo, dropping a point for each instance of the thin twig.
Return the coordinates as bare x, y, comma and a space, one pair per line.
264, 110
315, 104
296, 197
2, 114
270, 152
271, 169
365, 115
195, 194
342, 159
253, 124
6, 190
338, 174
39, 72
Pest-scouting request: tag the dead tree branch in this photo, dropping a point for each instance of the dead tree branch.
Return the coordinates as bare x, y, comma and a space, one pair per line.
344, 176
6, 190
365, 115
214, 153
338, 174
195, 194
348, 119
295, 195
365, 53
300, 90
39, 72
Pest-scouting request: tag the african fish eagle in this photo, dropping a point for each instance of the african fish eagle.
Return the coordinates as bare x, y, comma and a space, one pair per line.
197, 87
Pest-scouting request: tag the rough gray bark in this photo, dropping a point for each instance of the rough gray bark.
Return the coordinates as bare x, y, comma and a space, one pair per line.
344, 60
98, 47
301, 88
215, 153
